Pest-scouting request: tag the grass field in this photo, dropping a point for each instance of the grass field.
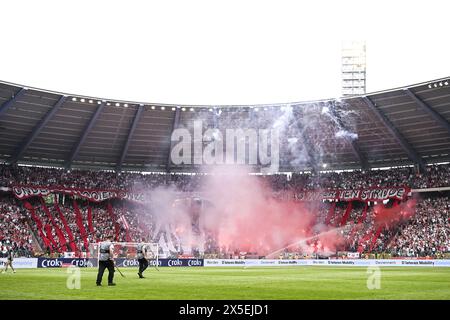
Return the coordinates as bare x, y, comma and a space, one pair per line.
232, 283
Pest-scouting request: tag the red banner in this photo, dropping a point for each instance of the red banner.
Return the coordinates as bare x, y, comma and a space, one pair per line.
372, 194
25, 191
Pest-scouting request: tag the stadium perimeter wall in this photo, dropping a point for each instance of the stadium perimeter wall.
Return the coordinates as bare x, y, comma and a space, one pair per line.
22, 263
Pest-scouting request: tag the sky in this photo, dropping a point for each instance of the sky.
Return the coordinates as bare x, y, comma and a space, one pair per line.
218, 52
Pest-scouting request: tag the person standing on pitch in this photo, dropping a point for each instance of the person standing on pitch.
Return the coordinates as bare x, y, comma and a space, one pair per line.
142, 257
106, 261
9, 260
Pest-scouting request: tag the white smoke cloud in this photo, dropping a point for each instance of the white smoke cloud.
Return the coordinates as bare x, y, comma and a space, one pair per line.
346, 134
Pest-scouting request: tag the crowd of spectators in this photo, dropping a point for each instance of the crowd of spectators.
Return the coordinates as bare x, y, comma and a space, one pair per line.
434, 176
14, 231
427, 233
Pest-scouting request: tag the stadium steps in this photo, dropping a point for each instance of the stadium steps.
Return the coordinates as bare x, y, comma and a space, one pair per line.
79, 222
346, 214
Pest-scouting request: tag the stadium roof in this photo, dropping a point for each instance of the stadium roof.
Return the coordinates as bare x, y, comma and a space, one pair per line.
402, 126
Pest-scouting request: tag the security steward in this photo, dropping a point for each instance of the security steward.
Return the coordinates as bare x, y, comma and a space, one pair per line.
142, 257
106, 261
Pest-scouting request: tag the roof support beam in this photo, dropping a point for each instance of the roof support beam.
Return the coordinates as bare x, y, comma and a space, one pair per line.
5, 106
355, 146
176, 123
425, 107
413, 155
77, 146
37, 129
137, 117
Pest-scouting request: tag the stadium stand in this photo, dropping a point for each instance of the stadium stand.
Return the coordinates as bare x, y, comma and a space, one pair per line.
14, 230
71, 225
435, 176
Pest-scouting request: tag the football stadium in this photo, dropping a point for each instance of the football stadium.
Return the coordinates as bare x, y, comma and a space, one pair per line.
77, 170
342, 198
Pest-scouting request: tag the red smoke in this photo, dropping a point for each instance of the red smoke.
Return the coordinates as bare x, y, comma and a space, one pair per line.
389, 217
246, 217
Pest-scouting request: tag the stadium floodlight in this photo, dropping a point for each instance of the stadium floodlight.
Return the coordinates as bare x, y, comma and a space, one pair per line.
108, 104
163, 108
74, 99
99, 102
324, 165
125, 105
256, 109
82, 100
429, 86
117, 104
435, 85
152, 107
446, 83
91, 101
173, 109
183, 109
441, 84
192, 109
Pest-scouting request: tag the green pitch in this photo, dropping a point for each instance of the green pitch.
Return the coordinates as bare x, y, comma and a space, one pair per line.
231, 283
